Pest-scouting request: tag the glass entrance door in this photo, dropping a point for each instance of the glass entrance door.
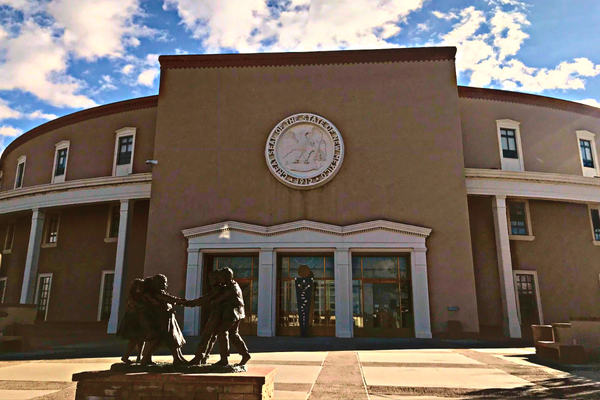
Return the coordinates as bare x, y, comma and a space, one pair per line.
528, 303
322, 310
245, 273
382, 297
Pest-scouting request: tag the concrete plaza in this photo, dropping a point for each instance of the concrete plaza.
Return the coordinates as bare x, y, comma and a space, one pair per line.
412, 373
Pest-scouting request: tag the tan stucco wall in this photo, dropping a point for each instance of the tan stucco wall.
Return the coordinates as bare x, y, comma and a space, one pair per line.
91, 149
399, 122
548, 135
566, 260
489, 300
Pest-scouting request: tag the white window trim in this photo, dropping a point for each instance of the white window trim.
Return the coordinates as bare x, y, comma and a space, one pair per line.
510, 124
107, 238
45, 243
20, 160
529, 237
128, 131
3, 294
12, 240
37, 292
590, 208
63, 144
538, 298
100, 299
586, 171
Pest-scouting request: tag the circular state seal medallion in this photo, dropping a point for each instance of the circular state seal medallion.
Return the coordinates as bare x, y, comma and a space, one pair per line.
304, 151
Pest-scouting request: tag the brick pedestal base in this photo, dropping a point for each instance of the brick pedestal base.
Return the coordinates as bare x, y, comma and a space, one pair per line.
256, 384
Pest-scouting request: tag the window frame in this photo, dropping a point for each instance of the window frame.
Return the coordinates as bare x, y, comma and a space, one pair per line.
3, 294
124, 169
589, 136
101, 297
538, 298
8, 250
590, 208
20, 160
62, 145
510, 164
48, 222
111, 210
529, 236
37, 291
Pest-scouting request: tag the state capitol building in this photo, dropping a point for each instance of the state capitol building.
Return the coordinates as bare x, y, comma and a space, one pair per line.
417, 204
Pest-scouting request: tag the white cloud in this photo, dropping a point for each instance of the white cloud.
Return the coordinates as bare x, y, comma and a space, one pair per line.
128, 69
6, 112
489, 43
6, 130
252, 25
38, 114
590, 102
147, 77
98, 28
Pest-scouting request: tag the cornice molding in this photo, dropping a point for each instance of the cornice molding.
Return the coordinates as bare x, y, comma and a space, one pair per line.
526, 98
76, 184
308, 58
537, 177
80, 116
306, 225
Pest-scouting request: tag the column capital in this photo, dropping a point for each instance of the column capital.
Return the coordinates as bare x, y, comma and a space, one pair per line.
420, 249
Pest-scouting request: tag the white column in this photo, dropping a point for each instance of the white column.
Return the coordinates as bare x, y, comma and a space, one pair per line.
33, 256
120, 265
344, 322
511, 324
420, 288
267, 295
193, 290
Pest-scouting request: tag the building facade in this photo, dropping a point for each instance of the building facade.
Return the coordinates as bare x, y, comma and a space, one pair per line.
413, 201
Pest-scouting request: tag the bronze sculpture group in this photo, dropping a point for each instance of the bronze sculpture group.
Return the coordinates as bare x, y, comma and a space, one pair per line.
150, 322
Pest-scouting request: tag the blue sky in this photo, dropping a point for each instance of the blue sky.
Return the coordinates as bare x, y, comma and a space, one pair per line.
60, 56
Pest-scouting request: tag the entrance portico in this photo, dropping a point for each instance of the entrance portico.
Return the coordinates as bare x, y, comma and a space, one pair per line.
374, 237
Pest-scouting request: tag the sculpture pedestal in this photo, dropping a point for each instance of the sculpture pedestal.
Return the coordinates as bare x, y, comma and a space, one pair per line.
255, 384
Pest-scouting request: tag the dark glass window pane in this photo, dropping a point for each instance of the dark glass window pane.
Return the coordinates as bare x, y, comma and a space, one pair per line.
52, 229
518, 218
2, 290
509, 143
61, 162
109, 280
356, 272
380, 267
125, 150
241, 266
114, 222
20, 169
10, 236
43, 297
586, 153
596, 224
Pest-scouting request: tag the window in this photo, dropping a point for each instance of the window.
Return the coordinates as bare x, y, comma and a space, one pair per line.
245, 273
588, 153
60, 161
509, 141
52, 223
20, 172
42, 295
595, 219
10, 237
382, 296
106, 294
322, 317
3, 282
124, 152
112, 229
519, 220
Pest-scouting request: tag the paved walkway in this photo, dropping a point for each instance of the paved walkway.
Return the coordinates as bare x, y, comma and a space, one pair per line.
422, 374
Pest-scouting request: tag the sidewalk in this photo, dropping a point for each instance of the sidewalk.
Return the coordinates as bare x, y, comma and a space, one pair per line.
412, 373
